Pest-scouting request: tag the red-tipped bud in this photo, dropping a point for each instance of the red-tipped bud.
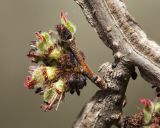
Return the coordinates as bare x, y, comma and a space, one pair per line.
63, 17
29, 82
154, 125
40, 36
146, 102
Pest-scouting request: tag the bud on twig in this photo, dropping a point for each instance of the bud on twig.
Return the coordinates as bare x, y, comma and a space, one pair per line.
59, 71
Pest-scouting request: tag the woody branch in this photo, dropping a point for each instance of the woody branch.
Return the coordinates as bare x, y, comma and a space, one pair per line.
131, 48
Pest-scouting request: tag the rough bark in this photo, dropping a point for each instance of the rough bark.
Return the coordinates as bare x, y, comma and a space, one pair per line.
131, 47
105, 108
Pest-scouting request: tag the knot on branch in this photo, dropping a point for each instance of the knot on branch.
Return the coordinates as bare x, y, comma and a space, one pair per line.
114, 77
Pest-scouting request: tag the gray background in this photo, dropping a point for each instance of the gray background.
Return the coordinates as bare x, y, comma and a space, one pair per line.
19, 19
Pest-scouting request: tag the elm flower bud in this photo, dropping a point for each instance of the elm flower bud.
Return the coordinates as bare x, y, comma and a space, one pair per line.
51, 72
42, 74
45, 46
146, 102
44, 42
157, 107
48, 93
54, 95
56, 53
60, 86
29, 82
147, 110
38, 76
154, 125
59, 71
67, 23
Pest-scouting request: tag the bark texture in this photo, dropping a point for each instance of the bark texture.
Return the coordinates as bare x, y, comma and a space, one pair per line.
131, 48
105, 107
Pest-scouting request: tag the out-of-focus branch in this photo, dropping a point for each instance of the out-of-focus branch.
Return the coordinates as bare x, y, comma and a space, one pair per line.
137, 120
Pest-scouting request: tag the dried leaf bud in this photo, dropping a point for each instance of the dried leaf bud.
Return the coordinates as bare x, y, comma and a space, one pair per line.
76, 82
63, 32
35, 57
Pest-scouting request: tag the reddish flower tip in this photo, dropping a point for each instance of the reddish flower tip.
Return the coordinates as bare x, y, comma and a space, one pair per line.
145, 102
46, 107
154, 125
63, 16
29, 82
40, 36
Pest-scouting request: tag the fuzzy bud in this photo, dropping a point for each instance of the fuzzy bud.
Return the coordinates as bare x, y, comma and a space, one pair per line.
154, 125
44, 42
55, 53
29, 82
60, 86
48, 93
146, 102
51, 72
67, 23
157, 107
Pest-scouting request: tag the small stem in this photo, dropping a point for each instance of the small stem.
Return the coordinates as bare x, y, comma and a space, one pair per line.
59, 101
86, 70
52, 100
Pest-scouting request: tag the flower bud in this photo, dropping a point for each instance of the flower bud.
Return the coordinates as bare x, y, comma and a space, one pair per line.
60, 86
154, 125
147, 110
146, 102
157, 107
54, 94
55, 53
48, 93
67, 23
43, 73
29, 82
44, 42
38, 76
51, 72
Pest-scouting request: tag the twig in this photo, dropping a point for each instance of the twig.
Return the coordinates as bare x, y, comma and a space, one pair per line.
86, 70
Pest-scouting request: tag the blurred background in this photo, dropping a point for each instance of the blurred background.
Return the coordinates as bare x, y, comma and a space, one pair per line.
19, 19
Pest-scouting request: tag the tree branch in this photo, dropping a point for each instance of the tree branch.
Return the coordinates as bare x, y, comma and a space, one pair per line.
131, 47
119, 31
105, 108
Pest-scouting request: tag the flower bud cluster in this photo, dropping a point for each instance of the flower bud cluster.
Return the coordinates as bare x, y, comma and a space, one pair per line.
44, 49
150, 111
57, 72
